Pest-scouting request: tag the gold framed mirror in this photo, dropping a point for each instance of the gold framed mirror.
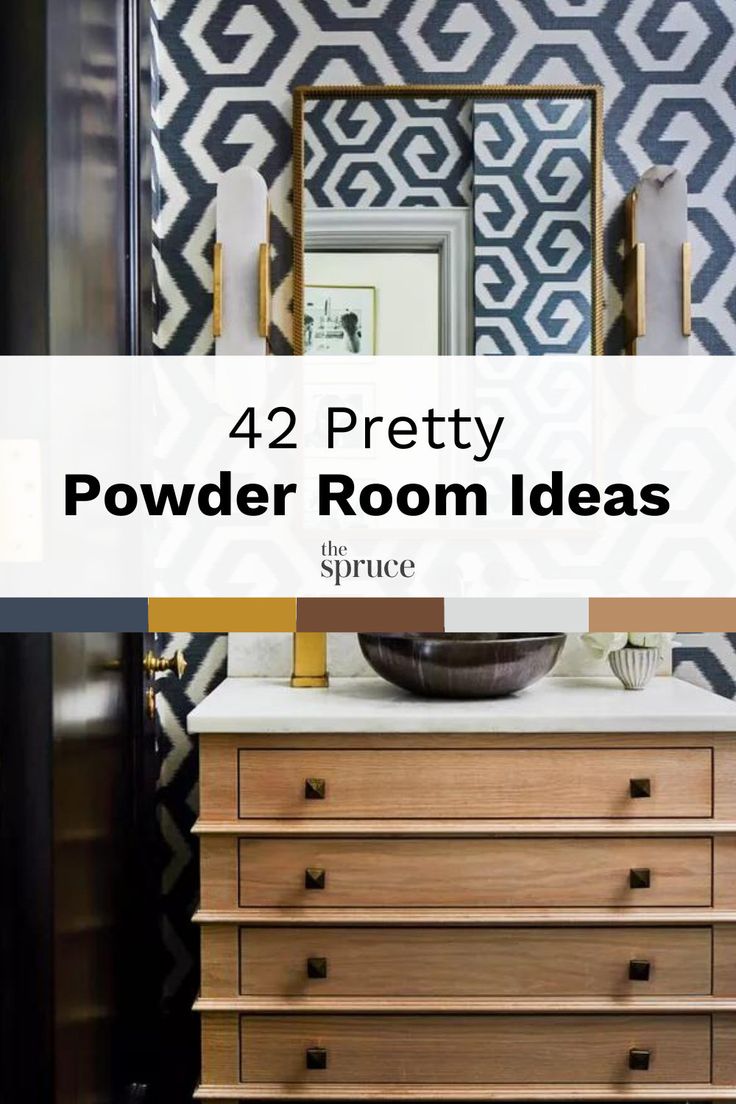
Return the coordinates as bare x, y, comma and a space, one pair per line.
526, 163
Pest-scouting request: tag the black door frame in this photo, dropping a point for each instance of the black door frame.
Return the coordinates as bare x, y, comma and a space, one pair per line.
27, 843
137, 129
75, 191
140, 899
26, 868
75, 278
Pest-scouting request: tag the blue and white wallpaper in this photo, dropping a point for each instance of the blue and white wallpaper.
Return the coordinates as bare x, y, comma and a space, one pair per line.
523, 165
532, 218
224, 70
388, 153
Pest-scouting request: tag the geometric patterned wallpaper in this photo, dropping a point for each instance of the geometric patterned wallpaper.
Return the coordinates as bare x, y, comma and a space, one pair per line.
524, 165
532, 210
178, 805
224, 70
388, 153
708, 660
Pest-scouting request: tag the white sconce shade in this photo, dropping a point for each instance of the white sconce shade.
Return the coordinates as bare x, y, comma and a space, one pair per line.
658, 265
241, 285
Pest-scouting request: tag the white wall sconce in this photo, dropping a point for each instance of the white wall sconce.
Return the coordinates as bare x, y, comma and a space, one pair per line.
657, 299
241, 292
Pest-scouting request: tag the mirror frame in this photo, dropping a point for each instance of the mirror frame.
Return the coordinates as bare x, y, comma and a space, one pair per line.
591, 92
442, 232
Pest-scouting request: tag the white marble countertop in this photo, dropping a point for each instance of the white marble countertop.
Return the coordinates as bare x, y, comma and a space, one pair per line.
555, 704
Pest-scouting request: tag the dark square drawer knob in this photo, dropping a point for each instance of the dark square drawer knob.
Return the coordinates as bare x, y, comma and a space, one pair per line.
317, 967
314, 789
639, 1059
639, 969
314, 878
316, 1058
640, 787
640, 878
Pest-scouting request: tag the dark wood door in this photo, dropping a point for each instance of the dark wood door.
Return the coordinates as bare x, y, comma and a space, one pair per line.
79, 944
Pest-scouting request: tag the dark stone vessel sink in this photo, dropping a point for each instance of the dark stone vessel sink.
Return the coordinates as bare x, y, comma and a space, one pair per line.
462, 665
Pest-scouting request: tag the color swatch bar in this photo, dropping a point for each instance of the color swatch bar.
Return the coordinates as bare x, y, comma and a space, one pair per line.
548, 614
74, 615
370, 615
662, 614
220, 615
516, 614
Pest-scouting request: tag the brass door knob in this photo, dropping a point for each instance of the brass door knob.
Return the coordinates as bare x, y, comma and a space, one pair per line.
640, 878
156, 665
315, 789
640, 787
639, 969
316, 967
314, 878
639, 1059
316, 1058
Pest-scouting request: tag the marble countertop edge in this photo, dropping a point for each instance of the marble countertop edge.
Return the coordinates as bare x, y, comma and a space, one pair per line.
556, 704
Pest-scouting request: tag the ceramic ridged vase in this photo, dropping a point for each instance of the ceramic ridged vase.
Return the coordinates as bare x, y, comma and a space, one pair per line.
634, 667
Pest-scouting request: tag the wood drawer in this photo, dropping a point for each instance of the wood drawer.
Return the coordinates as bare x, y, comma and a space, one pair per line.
498, 872
569, 782
478, 1049
454, 962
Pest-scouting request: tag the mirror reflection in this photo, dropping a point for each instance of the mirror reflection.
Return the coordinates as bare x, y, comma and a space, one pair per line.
460, 223
400, 289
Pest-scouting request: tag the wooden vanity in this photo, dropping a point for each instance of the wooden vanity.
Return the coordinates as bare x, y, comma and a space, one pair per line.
532, 898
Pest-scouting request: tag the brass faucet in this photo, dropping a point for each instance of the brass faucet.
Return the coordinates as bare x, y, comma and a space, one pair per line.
310, 660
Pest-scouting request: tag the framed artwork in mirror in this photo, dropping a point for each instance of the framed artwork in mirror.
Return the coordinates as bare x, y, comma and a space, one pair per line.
339, 320
519, 165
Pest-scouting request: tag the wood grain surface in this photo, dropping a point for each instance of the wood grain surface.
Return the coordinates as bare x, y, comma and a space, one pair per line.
499, 872
454, 962
574, 782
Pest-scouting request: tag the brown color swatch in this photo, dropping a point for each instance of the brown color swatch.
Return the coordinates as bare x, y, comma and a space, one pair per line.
222, 614
662, 614
370, 615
